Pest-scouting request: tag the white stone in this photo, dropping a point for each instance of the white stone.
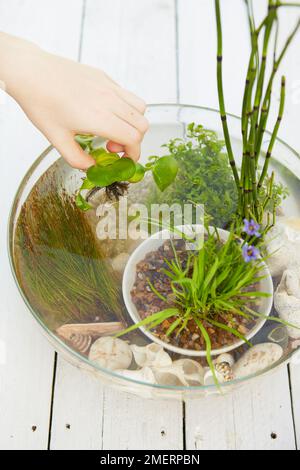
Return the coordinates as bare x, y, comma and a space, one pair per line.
111, 353
287, 301
284, 245
257, 359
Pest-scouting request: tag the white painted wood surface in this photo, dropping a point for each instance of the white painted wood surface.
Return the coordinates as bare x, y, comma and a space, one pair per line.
142, 44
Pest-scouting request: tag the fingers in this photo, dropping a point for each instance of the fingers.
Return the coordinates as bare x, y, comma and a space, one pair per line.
114, 147
129, 114
118, 131
72, 152
131, 99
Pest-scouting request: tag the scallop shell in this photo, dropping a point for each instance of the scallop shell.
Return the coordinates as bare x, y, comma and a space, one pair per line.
111, 353
81, 343
152, 355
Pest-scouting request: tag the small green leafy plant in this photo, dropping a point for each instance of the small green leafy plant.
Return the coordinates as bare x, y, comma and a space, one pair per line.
204, 175
113, 172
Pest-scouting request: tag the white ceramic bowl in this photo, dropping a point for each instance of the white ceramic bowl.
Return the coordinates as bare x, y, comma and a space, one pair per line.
152, 244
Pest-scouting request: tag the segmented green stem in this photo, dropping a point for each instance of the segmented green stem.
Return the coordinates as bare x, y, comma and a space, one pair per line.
274, 135
221, 96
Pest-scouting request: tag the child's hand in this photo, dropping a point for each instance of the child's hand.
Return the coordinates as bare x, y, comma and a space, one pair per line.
63, 98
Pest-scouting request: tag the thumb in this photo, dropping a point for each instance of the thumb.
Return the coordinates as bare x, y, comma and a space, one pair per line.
71, 151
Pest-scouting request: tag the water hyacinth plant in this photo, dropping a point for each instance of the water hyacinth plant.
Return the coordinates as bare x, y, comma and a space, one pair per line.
250, 179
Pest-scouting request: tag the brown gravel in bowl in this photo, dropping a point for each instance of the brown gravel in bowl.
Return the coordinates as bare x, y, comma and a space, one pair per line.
147, 303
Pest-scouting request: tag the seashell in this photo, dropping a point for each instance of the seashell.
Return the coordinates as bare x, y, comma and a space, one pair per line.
284, 245
287, 301
111, 353
89, 329
81, 343
225, 370
143, 375
170, 376
279, 335
192, 370
209, 377
152, 355
119, 262
257, 359
225, 358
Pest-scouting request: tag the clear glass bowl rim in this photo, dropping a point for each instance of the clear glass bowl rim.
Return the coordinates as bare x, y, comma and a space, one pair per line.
63, 347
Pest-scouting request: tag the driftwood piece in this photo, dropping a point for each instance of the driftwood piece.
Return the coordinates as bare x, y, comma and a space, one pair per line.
89, 329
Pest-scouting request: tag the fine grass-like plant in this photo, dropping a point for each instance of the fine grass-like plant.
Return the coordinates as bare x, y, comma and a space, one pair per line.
255, 187
220, 280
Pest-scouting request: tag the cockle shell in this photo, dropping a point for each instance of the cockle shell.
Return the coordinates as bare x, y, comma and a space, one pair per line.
287, 301
81, 343
152, 355
284, 245
111, 353
257, 359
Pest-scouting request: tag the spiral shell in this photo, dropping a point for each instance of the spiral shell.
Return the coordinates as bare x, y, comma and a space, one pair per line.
81, 343
225, 370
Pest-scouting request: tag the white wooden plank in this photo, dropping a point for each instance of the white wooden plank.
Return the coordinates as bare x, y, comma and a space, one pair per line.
132, 423
295, 386
134, 42
77, 413
256, 417
26, 373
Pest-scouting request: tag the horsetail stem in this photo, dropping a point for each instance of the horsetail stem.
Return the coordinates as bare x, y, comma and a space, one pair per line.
275, 133
221, 96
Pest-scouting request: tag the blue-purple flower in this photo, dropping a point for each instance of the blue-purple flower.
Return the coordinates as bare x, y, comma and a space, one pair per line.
251, 228
250, 253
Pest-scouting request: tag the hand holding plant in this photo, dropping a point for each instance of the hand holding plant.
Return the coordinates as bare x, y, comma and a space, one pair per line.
63, 98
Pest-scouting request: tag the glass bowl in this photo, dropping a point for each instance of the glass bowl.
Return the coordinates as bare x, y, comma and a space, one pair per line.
67, 276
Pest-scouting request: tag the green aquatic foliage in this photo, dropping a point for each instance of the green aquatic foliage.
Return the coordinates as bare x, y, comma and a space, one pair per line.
204, 175
111, 171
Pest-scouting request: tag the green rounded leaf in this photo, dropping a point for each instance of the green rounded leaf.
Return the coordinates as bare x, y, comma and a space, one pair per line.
104, 158
165, 171
138, 175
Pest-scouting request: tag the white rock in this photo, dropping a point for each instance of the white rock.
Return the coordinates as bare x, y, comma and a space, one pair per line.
152, 355
119, 262
287, 301
284, 245
142, 375
257, 359
111, 353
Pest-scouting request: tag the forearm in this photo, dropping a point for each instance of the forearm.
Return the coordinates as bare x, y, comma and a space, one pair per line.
15, 55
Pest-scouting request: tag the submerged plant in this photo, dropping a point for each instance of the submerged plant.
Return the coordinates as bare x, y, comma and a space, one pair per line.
256, 197
61, 266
